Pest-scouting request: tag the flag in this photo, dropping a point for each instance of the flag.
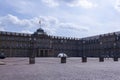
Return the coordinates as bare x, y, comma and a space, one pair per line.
39, 21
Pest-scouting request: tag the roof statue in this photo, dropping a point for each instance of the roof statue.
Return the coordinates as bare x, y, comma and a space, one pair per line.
40, 31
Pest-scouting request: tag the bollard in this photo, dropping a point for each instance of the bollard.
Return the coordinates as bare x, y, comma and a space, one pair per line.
115, 58
84, 59
63, 59
31, 60
101, 59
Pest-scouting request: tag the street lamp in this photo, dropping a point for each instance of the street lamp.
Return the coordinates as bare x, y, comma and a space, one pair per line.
115, 55
32, 50
101, 58
114, 48
100, 48
84, 58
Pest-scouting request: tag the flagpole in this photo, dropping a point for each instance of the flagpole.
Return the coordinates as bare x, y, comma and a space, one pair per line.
40, 23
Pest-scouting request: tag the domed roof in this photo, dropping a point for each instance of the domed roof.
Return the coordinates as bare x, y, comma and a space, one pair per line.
40, 31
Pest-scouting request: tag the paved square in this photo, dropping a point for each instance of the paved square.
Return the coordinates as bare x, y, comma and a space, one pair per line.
52, 69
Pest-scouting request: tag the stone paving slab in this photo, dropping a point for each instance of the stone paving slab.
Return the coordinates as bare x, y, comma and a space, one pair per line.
52, 69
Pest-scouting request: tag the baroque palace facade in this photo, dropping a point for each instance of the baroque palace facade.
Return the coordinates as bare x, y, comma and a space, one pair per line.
43, 45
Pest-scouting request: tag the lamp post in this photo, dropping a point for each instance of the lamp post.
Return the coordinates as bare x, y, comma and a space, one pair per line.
115, 58
101, 58
32, 50
84, 58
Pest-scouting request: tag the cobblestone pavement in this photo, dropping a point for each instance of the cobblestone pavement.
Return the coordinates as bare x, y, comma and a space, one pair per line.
52, 69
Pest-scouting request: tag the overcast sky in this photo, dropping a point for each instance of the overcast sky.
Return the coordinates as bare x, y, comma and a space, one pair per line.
70, 18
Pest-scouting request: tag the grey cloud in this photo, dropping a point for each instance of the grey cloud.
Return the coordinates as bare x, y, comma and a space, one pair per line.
67, 1
2, 29
50, 24
70, 3
72, 26
13, 20
117, 5
51, 3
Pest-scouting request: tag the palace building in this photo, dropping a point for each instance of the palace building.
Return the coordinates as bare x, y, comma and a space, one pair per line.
42, 45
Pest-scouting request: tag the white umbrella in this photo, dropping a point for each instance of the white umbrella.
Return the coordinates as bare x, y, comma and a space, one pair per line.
62, 55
